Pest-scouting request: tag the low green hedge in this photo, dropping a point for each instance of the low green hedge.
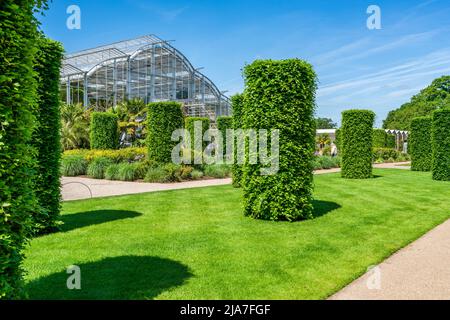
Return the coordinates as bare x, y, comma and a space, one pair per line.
420, 145
121, 155
357, 141
440, 133
97, 168
104, 130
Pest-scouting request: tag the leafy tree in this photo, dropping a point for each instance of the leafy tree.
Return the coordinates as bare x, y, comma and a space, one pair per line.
325, 123
433, 97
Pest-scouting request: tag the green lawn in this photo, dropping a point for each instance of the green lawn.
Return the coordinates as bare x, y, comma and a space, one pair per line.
196, 244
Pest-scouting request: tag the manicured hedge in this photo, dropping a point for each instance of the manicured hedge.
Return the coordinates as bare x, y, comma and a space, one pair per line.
224, 123
46, 137
281, 95
104, 130
337, 140
237, 105
18, 37
189, 126
357, 136
420, 146
379, 138
391, 141
440, 133
162, 119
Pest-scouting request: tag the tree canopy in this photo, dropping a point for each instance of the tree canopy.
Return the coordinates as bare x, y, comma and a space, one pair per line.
325, 123
433, 97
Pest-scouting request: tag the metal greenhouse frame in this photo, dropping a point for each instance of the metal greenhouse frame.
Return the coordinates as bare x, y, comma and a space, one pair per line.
147, 68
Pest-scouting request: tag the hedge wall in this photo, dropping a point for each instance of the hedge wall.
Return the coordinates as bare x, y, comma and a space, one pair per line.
162, 119
357, 141
189, 126
420, 146
46, 138
237, 105
440, 133
281, 95
18, 35
104, 130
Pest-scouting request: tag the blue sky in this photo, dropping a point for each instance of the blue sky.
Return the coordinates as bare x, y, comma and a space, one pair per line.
356, 67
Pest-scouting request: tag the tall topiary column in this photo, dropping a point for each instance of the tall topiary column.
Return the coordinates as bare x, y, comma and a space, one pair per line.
224, 123
419, 144
281, 95
197, 155
357, 142
237, 105
163, 118
47, 136
379, 138
18, 35
104, 131
440, 135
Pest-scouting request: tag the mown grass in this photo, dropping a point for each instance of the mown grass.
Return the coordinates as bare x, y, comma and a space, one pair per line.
196, 244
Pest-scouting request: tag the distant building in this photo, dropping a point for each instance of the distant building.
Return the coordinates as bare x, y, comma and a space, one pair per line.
147, 68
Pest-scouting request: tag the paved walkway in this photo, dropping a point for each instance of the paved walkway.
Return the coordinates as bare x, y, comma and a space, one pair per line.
420, 271
78, 188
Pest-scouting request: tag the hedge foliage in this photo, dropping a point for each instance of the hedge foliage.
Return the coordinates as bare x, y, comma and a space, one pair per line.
46, 137
440, 133
18, 38
382, 139
224, 123
121, 155
357, 141
104, 130
162, 119
420, 146
281, 95
237, 105
189, 126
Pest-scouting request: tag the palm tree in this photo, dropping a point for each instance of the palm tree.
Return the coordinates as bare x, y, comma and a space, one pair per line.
75, 121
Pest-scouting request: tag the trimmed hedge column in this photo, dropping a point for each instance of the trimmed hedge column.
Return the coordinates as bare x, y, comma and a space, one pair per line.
189, 126
357, 137
104, 131
281, 95
379, 138
18, 37
47, 136
163, 118
224, 123
440, 133
420, 146
237, 105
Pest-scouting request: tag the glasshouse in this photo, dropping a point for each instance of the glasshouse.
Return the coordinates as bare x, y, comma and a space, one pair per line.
146, 68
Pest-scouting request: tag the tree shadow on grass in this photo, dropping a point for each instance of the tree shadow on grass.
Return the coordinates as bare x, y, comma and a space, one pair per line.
85, 219
118, 278
322, 208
